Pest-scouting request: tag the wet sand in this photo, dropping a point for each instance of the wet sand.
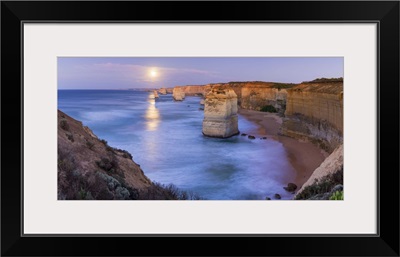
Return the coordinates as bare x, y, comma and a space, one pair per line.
303, 156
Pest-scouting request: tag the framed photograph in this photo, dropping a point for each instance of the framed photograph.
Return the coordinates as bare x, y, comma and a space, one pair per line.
266, 124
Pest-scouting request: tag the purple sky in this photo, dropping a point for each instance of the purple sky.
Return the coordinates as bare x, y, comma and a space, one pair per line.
135, 72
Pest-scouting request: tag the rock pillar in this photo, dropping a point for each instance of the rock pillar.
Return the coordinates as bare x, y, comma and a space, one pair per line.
220, 113
178, 94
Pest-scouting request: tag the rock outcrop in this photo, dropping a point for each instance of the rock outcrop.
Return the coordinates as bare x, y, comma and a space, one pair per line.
162, 91
178, 94
220, 113
314, 111
89, 168
155, 94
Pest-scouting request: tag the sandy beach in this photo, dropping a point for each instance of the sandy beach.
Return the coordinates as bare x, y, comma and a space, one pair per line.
304, 156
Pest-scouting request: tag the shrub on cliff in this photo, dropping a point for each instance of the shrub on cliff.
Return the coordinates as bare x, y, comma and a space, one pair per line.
107, 165
167, 192
268, 108
64, 124
338, 195
325, 80
280, 86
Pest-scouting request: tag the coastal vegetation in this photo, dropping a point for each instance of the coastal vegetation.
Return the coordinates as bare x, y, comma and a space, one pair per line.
323, 188
268, 108
280, 86
325, 80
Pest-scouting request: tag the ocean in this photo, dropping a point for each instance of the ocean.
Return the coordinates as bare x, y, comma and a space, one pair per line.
165, 138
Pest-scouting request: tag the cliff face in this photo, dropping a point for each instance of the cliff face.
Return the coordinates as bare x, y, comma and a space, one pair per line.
254, 98
220, 113
196, 90
250, 95
314, 111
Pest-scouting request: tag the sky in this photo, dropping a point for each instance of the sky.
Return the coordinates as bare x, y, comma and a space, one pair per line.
157, 72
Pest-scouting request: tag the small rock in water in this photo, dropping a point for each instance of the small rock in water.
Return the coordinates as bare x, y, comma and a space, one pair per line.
244, 134
202, 109
291, 187
251, 137
264, 138
267, 198
277, 196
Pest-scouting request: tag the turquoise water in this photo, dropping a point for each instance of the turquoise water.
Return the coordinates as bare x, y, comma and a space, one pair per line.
165, 138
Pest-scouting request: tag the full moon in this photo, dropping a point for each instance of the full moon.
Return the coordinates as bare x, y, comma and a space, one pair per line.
153, 73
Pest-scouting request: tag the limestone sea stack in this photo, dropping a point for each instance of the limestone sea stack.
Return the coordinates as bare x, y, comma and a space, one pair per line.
220, 113
155, 94
178, 94
162, 91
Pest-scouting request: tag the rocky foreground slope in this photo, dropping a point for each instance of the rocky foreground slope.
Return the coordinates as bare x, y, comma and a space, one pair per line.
90, 169
325, 180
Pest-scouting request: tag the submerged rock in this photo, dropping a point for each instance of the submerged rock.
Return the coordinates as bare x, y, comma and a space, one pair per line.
277, 196
244, 134
220, 113
251, 137
291, 187
267, 198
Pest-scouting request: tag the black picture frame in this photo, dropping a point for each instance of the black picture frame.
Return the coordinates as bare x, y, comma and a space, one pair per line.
385, 14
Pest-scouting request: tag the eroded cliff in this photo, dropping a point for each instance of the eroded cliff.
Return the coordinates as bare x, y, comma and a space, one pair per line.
314, 111
253, 95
